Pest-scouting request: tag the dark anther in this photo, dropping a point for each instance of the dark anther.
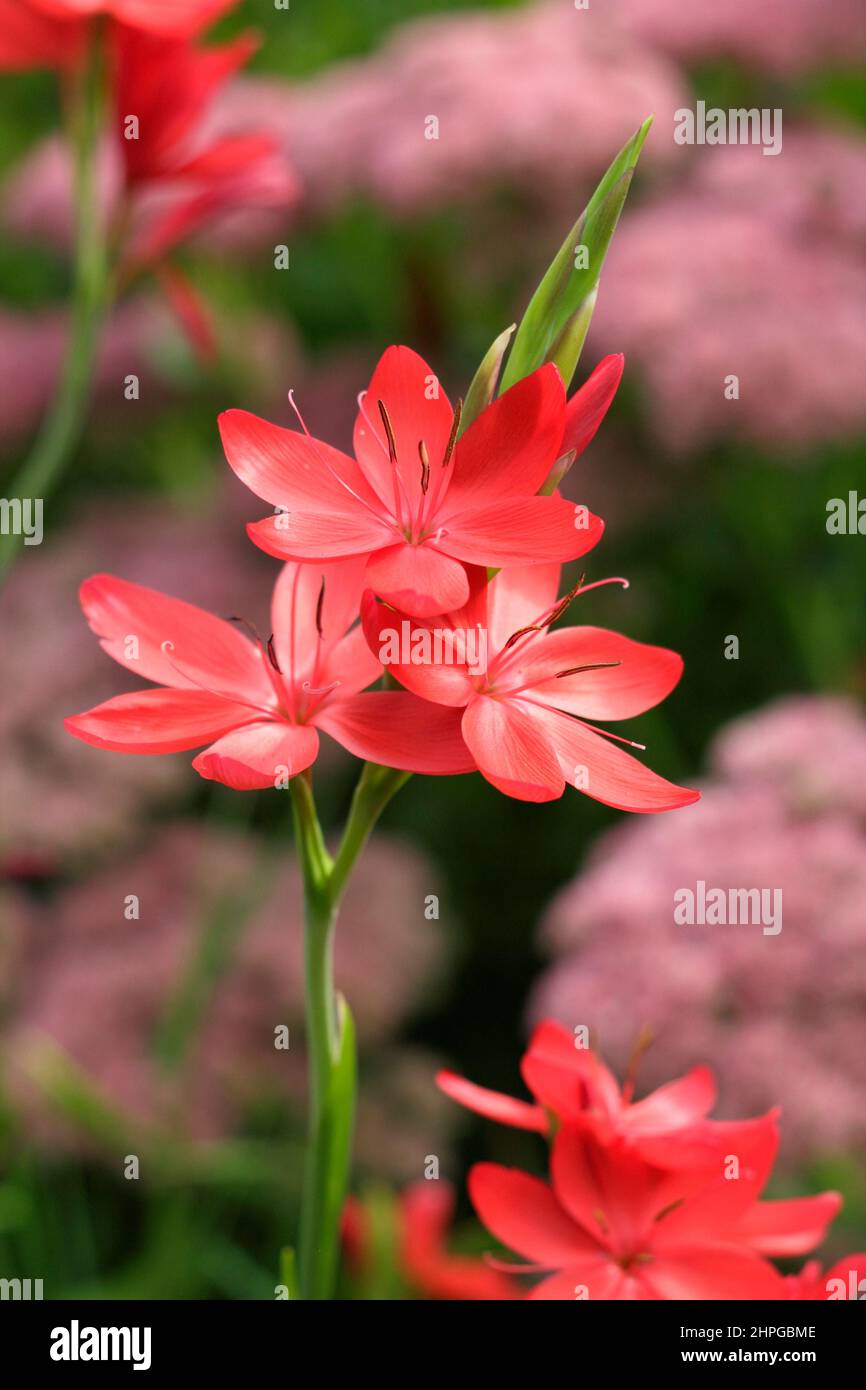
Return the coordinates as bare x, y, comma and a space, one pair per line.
272, 655
593, 666
319, 605
452, 438
425, 466
386, 421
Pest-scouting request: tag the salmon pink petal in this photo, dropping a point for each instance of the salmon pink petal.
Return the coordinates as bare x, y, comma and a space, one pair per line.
602, 770
157, 721
310, 536
589, 405
718, 1198
312, 608
596, 1278
291, 470
519, 597
714, 1271
791, 1227
511, 749
679, 1103
503, 1110
393, 637
398, 730
523, 1213
509, 450
418, 579
521, 531
349, 665
612, 1193
642, 677
259, 755
135, 623
567, 1079
417, 409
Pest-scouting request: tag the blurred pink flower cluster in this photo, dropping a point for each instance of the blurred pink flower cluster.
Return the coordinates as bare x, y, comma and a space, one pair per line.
780, 36
537, 96
99, 986
781, 1016
753, 267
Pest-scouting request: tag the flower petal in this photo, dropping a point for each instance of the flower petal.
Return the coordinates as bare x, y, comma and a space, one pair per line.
395, 638
418, 579
589, 405
519, 597
259, 755
511, 749
602, 770
567, 1079
503, 1110
643, 677
134, 622
310, 536
524, 1214
511, 447
397, 729
598, 1276
292, 470
712, 1271
791, 1227
417, 409
521, 531
157, 721
312, 608
679, 1103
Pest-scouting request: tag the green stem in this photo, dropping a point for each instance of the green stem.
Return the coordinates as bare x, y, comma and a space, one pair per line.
330, 1030
63, 423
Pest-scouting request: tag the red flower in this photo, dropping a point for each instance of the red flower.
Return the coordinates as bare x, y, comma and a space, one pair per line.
52, 33
259, 705
29, 38
572, 1086
417, 504
520, 686
846, 1280
178, 178
424, 1213
612, 1226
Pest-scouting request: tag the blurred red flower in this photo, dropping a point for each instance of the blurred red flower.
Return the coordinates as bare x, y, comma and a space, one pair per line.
845, 1281
613, 1226
175, 177
50, 32
571, 1085
423, 1214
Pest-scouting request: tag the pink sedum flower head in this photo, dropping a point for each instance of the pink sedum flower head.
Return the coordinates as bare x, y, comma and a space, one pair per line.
416, 502
258, 705
526, 699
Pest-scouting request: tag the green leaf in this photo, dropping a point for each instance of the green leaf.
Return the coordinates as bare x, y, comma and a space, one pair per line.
483, 387
555, 324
